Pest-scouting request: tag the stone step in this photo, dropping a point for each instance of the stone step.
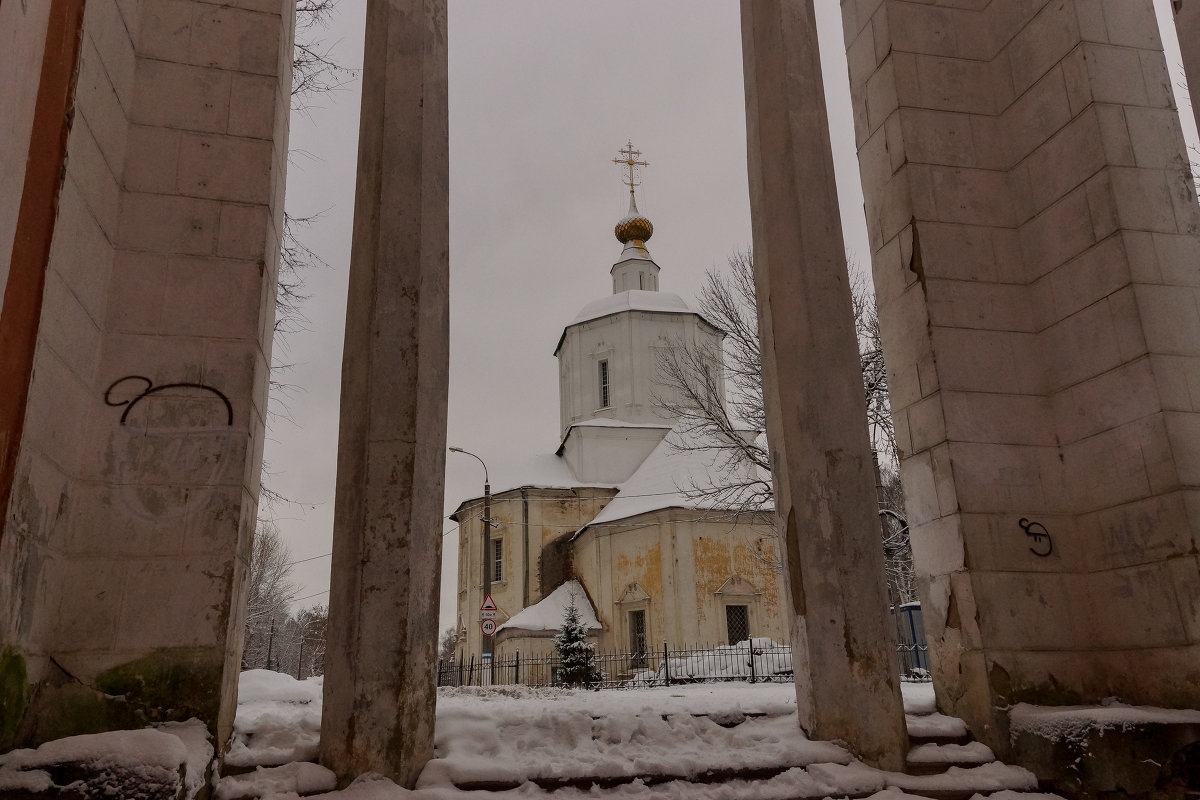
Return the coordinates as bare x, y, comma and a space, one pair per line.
302, 778
934, 759
855, 780
936, 728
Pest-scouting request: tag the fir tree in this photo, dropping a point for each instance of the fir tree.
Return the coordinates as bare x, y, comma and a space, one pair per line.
576, 655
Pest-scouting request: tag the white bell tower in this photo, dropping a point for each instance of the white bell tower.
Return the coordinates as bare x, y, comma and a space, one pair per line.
609, 354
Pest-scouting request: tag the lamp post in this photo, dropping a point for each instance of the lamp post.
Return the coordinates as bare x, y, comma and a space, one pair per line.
484, 643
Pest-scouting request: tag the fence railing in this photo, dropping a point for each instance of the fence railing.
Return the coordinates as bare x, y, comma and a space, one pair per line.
764, 661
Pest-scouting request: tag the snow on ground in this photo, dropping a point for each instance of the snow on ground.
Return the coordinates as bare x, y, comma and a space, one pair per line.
928, 726
127, 764
647, 741
297, 778
195, 738
918, 697
984, 778
661, 731
278, 720
970, 753
1074, 723
515, 735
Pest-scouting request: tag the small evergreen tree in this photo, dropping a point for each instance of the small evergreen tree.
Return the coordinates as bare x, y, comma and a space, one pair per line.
576, 655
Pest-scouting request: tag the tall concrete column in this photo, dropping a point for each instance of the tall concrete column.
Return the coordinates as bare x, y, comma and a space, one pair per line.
1033, 225
843, 647
140, 215
379, 681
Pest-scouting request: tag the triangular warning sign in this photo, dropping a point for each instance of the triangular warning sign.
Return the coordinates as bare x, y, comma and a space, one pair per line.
488, 604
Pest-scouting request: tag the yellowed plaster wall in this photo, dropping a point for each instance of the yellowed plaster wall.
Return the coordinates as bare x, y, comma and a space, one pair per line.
553, 513
679, 561
678, 558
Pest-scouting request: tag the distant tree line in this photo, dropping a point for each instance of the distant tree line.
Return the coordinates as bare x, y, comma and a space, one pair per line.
275, 638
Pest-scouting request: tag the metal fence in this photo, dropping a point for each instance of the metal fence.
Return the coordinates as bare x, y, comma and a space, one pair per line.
763, 662
914, 662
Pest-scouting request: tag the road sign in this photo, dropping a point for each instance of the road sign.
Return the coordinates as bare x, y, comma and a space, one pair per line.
488, 604
488, 626
487, 614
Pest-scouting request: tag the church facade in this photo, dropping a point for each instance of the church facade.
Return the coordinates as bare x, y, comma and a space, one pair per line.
625, 507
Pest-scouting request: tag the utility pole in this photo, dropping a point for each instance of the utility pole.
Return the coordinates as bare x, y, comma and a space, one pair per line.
487, 566
270, 642
485, 642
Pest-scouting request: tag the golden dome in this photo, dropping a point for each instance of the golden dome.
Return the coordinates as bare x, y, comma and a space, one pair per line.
633, 227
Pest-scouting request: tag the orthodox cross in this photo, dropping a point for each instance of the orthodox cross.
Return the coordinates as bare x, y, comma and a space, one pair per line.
631, 163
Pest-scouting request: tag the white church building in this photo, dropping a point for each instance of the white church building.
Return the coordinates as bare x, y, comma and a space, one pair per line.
616, 507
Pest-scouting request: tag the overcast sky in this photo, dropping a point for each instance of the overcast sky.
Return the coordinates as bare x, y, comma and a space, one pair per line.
542, 95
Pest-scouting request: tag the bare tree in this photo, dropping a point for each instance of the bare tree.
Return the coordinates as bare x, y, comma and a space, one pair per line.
314, 623
689, 376
314, 71
716, 395
270, 593
314, 74
447, 644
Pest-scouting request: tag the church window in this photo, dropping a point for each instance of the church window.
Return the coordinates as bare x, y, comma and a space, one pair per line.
497, 559
641, 281
604, 390
637, 637
737, 620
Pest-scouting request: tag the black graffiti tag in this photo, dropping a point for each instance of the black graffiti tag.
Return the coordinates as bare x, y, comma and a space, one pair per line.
1043, 544
151, 389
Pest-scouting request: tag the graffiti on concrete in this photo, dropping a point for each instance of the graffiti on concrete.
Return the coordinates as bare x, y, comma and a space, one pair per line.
1043, 545
151, 389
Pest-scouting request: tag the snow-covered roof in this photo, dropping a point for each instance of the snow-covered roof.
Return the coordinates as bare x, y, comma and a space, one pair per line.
543, 470
547, 614
602, 422
632, 300
686, 470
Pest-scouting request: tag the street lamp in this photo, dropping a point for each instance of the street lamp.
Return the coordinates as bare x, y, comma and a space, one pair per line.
484, 643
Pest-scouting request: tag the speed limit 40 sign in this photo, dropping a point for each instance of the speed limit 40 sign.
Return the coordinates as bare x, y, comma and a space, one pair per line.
488, 626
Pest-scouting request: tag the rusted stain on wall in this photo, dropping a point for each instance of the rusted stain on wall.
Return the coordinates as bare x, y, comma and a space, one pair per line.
21, 312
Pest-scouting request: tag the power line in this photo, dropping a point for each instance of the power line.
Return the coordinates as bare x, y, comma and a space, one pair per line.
314, 558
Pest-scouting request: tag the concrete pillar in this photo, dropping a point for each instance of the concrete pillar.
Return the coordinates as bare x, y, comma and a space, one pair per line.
380, 664
843, 646
1033, 226
134, 485
1187, 24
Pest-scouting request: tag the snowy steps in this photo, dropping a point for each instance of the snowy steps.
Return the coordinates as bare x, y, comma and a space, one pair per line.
943, 764
719, 741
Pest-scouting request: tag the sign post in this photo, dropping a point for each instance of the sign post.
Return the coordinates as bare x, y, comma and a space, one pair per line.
487, 613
